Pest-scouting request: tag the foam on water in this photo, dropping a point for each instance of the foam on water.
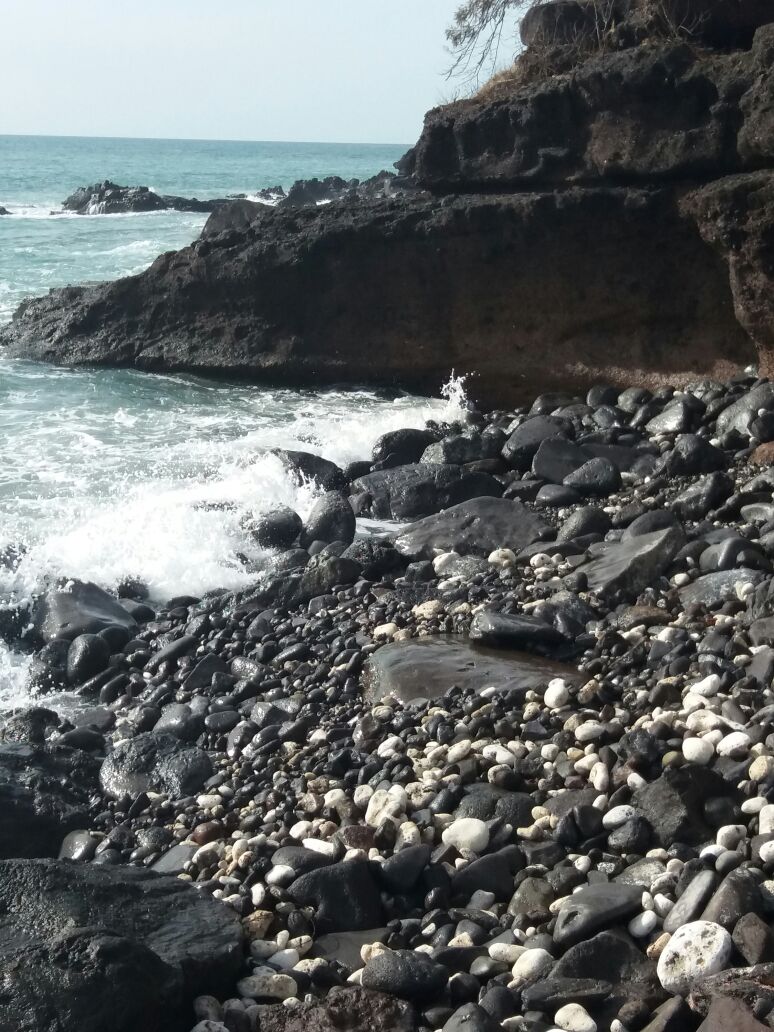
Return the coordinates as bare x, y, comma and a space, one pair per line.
114, 474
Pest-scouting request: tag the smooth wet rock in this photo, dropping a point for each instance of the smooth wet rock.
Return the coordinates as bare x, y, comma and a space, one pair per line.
598, 477
713, 588
627, 567
428, 667
331, 519
45, 793
523, 444
478, 527
279, 528
78, 608
516, 631
422, 489
593, 908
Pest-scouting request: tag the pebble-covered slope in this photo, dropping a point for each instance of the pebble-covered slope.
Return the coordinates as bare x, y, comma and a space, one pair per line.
569, 825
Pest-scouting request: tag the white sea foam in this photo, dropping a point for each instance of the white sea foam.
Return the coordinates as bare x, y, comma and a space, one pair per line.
157, 487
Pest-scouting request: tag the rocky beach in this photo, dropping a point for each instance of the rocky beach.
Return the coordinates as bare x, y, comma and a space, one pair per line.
487, 741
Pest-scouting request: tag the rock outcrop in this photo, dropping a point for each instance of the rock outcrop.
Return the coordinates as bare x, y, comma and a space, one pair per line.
111, 199
609, 222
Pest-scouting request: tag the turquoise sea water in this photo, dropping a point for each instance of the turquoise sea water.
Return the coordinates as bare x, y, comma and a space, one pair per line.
41, 247
106, 473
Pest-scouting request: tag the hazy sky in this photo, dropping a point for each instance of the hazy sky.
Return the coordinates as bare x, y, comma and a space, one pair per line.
338, 70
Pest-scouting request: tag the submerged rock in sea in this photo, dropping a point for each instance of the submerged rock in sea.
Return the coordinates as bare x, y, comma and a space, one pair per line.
111, 199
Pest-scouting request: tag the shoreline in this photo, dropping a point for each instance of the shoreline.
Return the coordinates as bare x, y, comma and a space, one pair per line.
456, 859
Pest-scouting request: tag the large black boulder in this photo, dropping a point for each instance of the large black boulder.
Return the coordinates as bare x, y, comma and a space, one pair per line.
399, 447
79, 607
345, 897
332, 519
627, 567
84, 948
478, 527
305, 466
421, 489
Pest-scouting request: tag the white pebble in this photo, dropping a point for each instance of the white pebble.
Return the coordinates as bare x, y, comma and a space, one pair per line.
736, 744
467, 833
696, 950
265, 982
708, 686
643, 924
617, 816
557, 694
698, 750
531, 964
574, 1018
730, 835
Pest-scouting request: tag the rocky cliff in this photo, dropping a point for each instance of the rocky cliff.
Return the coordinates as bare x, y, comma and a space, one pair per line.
612, 220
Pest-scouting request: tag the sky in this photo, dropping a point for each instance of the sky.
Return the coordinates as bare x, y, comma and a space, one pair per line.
360, 71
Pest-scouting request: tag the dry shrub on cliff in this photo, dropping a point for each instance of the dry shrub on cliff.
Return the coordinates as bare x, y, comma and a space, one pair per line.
482, 28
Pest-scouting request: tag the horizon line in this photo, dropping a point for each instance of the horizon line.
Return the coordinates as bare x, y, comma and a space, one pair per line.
200, 139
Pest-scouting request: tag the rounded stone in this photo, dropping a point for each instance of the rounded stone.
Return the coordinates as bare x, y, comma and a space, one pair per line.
467, 833
574, 1018
696, 950
698, 750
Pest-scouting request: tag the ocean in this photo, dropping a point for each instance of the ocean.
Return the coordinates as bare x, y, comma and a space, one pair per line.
107, 474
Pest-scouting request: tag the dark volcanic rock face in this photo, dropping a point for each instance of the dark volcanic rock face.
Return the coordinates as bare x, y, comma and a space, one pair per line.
85, 948
402, 292
607, 222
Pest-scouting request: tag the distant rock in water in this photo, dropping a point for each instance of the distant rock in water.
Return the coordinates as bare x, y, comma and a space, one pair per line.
4, 211
111, 199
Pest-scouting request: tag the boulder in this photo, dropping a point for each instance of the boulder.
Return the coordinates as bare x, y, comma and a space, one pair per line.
303, 286
344, 1009
332, 519
111, 199
44, 794
304, 466
627, 567
87, 947
428, 667
155, 762
476, 527
422, 489
78, 608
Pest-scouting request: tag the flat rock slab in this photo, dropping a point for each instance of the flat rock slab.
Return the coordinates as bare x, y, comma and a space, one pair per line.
344, 947
85, 947
716, 587
428, 667
478, 527
629, 566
